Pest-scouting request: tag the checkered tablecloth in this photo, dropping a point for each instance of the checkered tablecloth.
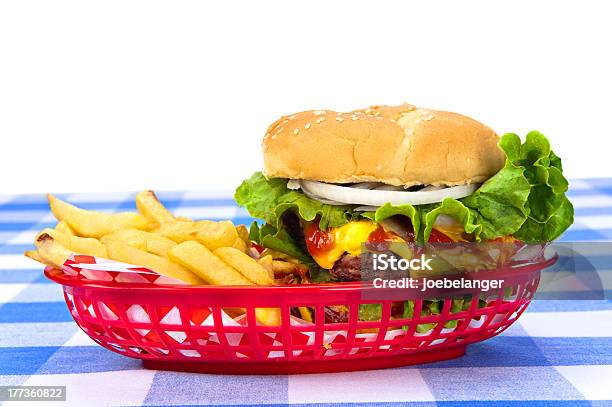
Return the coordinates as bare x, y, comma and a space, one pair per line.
559, 353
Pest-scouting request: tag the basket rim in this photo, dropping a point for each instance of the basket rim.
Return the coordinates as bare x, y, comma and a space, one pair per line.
59, 277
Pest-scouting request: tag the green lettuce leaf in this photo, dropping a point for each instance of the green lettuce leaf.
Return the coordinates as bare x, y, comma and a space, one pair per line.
279, 240
388, 210
525, 199
259, 195
453, 208
308, 209
269, 199
550, 213
409, 314
370, 312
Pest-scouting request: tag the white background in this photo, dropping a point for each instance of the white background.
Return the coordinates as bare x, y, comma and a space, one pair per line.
123, 95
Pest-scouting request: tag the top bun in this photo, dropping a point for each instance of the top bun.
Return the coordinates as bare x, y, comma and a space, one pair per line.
396, 145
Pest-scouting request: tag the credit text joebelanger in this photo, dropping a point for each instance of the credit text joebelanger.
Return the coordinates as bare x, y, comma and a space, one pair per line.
389, 268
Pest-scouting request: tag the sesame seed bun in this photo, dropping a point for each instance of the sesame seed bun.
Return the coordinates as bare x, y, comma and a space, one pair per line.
396, 145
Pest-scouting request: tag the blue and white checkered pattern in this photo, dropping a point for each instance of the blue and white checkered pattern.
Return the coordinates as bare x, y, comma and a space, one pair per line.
560, 352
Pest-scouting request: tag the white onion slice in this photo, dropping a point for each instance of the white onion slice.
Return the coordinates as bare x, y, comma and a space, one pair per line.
386, 188
323, 200
355, 196
430, 188
365, 208
366, 185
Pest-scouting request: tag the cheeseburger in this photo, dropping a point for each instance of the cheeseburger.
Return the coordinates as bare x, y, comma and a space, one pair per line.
333, 181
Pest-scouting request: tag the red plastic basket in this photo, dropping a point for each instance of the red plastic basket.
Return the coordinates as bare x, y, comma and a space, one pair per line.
164, 325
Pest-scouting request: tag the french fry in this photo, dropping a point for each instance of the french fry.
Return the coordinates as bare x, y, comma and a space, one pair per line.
33, 254
197, 258
305, 313
245, 264
256, 273
150, 207
95, 224
178, 231
276, 254
51, 251
284, 267
200, 252
243, 234
266, 262
211, 234
79, 245
240, 245
64, 227
142, 240
120, 251
268, 316
127, 236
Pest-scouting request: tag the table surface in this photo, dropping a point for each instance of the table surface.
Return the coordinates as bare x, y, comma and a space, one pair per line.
560, 352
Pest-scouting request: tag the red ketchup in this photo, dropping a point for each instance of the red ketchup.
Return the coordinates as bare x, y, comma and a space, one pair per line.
379, 240
379, 235
317, 240
438, 237
258, 247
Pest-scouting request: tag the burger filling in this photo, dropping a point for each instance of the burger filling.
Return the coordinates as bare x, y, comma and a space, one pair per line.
338, 249
525, 201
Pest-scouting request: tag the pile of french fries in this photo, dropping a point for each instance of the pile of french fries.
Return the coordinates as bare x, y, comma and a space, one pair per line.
195, 252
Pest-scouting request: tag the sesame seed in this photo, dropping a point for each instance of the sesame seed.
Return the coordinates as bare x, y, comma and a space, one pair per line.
307, 126
339, 119
320, 119
319, 112
379, 166
292, 117
353, 118
296, 131
274, 136
427, 117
